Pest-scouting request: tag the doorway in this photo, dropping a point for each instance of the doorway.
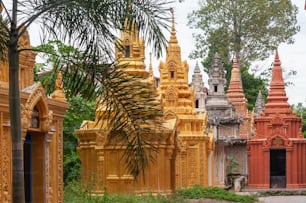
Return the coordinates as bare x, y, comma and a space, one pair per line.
278, 168
33, 156
27, 164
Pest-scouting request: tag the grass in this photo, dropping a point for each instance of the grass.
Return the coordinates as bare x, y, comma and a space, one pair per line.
198, 192
74, 194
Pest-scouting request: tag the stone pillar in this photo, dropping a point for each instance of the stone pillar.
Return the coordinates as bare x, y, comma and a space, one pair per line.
100, 171
48, 172
210, 168
266, 167
289, 166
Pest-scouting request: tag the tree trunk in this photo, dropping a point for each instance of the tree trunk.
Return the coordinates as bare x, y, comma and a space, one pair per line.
15, 112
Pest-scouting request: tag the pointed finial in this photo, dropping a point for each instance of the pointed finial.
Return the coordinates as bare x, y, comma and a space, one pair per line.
235, 75
235, 61
276, 58
172, 15
235, 58
277, 75
150, 66
216, 55
260, 94
173, 32
277, 100
197, 68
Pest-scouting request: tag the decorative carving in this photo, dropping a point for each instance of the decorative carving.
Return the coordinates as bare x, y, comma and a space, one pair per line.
1, 154
192, 166
47, 122
35, 118
59, 88
170, 115
5, 163
172, 65
47, 168
277, 120
101, 138
25, 116
60, 161
277, 142
37, 99
266, 143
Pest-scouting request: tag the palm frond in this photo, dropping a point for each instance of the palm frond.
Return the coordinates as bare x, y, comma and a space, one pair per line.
3, 38
96, 23
134, 116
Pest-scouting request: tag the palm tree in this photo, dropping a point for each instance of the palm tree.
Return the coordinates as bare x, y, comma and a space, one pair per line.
89, 25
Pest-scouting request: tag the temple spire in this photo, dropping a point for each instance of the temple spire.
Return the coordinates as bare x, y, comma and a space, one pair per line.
237, 98
174, 51
277, 101
173, 38
235, 92
259, 104
235, 83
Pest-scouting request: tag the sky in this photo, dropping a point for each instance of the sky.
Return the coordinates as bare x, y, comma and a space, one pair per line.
292, 56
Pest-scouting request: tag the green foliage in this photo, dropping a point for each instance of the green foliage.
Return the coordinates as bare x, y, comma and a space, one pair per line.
250, 28
79, 110
198, 192
55, 54
74, 193
252, 85
300, 109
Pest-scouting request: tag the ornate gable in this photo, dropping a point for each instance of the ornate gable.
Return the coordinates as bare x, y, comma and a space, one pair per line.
37, 100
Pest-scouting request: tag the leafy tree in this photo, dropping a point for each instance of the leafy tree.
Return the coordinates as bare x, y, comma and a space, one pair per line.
250, 28
252, 85
54, 54
90, 25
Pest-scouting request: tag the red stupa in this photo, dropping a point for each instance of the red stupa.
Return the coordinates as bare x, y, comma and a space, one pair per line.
277, 153
236, 97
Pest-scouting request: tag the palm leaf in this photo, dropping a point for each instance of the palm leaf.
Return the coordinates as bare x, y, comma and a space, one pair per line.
138, 117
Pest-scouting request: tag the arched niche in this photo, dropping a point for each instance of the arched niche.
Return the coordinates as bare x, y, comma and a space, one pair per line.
36, 107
